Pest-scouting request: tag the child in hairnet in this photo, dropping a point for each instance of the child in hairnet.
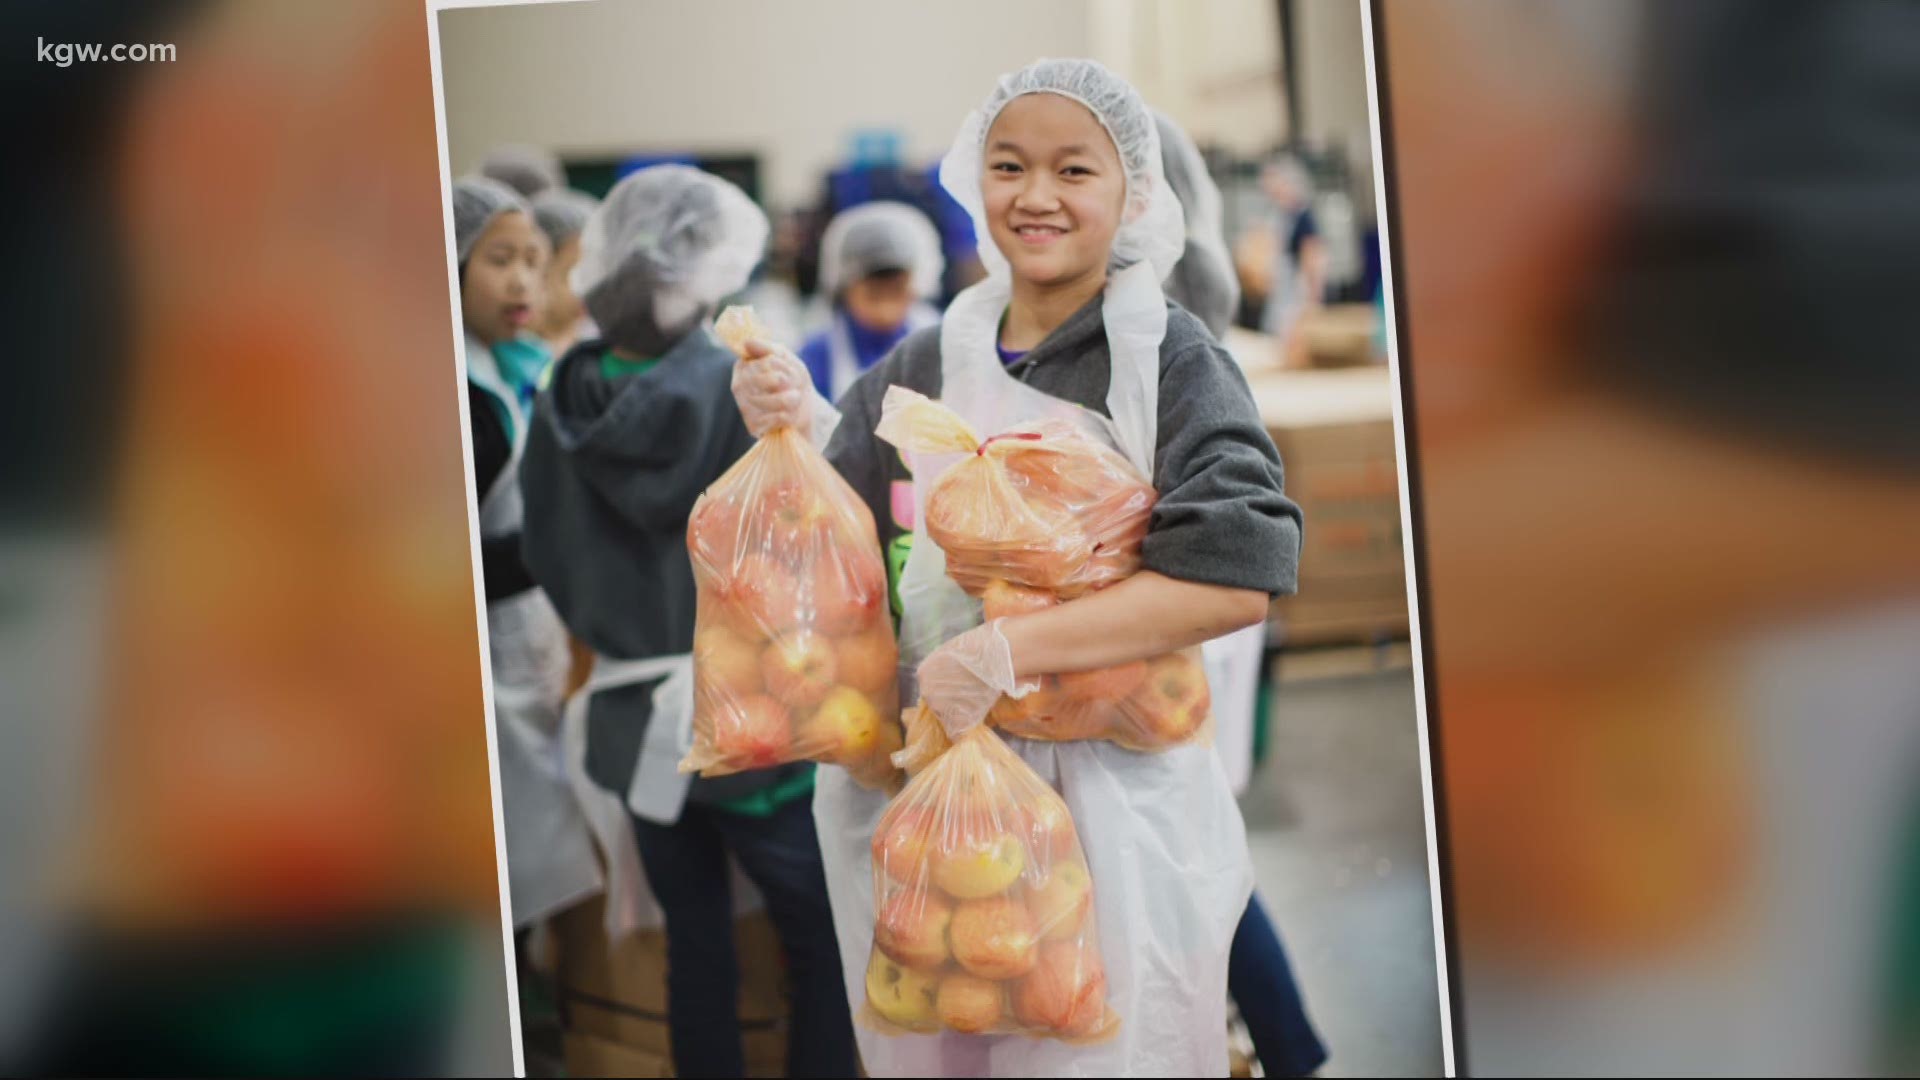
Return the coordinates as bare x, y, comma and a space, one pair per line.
633, 426
1061, 171
880, 263
561, 213
550, 859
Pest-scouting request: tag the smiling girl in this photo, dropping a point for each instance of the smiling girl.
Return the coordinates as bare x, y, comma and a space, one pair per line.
1061, 170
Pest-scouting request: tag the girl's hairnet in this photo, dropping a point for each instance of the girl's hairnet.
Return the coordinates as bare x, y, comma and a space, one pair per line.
1204, 281
878, 236
562, 212
1151, 230
528, 170
669, 242
476, 202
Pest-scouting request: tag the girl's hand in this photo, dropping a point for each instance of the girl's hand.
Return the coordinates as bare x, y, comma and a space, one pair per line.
772, 388
963, 678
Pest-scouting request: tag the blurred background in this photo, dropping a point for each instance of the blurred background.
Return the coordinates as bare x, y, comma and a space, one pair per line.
1655, 271
815, 109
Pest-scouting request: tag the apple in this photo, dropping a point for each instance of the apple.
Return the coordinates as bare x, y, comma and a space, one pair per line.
1173, 701
844, 730
713, 534
1047, 827
912, 928
755, 597
1059, 904
978, 864
752, 733
968, 1003
1029, 709
899, 993
839, 600
870, 661
1004, 598
1107, 684
799, 521
993, 938
725, 662
798, 670
1066, 992
901, 843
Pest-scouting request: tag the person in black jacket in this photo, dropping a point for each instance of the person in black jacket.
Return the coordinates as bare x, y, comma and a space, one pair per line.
632, 428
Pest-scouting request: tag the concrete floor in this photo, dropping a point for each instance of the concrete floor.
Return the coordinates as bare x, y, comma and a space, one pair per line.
1335, 820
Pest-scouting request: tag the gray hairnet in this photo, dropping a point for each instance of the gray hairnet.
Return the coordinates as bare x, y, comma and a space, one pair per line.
528, 170
878, 236
562, 212
476, 202
1203, 281
1151, 229
668, 243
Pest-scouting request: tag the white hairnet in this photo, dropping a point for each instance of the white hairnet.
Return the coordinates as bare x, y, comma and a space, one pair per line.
562, 212
476, 202
1150, 239
528, 170
668, 242
1204, 281
1151, 229
878, 236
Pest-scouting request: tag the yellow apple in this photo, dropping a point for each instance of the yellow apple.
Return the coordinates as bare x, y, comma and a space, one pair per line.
901, 994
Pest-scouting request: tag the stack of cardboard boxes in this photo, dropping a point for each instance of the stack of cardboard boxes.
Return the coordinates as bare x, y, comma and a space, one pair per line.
613, 997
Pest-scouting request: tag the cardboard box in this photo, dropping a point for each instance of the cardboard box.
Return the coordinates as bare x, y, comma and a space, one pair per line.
1340, 335
617, 991
591, 1055
1334, 431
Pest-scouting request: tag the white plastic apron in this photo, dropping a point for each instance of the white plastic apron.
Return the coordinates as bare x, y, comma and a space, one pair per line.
1162, 833
1287, 291
550, 861
658, 791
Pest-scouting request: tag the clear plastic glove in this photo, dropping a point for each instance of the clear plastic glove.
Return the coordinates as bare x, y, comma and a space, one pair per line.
963, 678
773, 389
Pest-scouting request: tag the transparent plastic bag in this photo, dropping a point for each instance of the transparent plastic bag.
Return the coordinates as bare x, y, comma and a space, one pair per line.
1036, 515
794, 656
984, 905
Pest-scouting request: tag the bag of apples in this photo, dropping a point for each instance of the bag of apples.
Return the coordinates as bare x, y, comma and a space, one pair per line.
1036, 515
793, 656
984, 905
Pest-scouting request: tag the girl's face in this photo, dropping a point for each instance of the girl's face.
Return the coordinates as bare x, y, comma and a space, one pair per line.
563, 307
502, 286
880, 302
1054, 190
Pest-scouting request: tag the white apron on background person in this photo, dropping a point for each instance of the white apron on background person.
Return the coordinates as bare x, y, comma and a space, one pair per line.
1162, 834
658, 791
550, 859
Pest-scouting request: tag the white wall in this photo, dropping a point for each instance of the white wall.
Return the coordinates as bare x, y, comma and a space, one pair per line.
787, 81
1330, 51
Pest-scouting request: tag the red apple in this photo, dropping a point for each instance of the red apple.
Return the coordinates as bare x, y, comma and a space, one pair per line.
1173, 702
1066, 992
799, 670
799, 521
1003, 598
726, 663
752, 733
993, 938
1108, 684
912, 928
968, 1003
844, 730
869, 662
714, 539
1059, 904
979, 863
1047, 827
839, 602
901, 843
